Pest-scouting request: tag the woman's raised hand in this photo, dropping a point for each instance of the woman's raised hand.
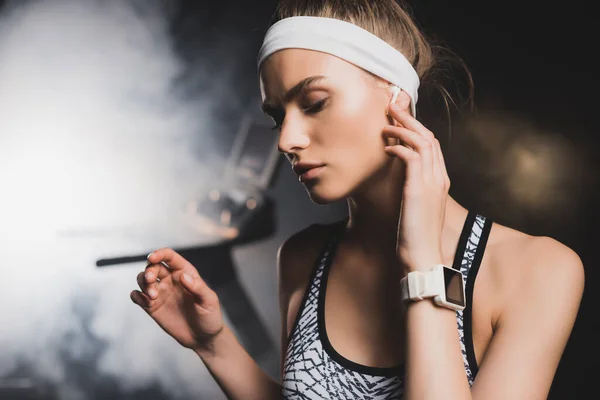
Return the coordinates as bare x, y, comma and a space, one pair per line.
176, 297
425, 191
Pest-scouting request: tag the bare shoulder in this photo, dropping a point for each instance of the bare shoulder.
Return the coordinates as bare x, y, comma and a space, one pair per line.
523, 251
553, 265
296, 259
297, 254
522, 263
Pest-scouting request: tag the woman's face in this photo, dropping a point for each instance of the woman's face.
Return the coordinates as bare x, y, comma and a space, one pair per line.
335, 119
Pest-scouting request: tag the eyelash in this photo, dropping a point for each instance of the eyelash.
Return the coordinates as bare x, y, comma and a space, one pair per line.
313, 109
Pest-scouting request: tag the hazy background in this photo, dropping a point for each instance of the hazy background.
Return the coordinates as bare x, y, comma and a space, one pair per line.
114, 114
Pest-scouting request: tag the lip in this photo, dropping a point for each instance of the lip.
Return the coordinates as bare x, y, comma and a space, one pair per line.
302, 167
310, 174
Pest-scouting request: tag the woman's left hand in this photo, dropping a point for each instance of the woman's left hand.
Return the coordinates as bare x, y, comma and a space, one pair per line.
424, 194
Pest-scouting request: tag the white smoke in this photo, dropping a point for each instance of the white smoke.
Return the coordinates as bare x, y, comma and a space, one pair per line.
92, 138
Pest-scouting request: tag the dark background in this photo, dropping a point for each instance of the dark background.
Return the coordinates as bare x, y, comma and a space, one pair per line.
532, 58
536, 58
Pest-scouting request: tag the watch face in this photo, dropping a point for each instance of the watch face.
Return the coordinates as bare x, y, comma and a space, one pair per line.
453, 280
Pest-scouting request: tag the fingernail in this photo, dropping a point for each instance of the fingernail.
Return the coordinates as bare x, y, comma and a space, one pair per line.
148, 276
187, 277
149, 255
152, 293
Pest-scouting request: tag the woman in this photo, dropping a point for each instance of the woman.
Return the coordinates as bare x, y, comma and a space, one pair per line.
340, 80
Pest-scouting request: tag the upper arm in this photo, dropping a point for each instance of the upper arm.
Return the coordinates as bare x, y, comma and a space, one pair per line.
534, 326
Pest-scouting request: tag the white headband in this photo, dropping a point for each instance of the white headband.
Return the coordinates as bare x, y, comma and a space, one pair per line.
346, 41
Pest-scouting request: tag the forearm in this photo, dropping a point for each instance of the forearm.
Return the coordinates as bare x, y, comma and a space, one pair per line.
434, 364
238, 375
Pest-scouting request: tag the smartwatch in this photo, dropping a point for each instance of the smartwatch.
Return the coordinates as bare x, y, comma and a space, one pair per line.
443, 283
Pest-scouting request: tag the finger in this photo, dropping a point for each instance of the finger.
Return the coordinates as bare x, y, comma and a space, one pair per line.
140, 299
442, 163
437, 163
196, 286
149, 289
437, 172
156, 271
413, 163
421, 145
410, 122
172, 259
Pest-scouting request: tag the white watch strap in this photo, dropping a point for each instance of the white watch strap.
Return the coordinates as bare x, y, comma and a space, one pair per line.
419, 285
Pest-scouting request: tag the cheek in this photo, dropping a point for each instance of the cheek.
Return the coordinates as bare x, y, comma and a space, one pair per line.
354, 145
362, 121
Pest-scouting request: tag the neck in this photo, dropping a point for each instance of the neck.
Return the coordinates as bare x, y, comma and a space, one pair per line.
374, 211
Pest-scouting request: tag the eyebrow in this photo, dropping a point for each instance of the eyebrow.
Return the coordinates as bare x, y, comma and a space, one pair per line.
295, 91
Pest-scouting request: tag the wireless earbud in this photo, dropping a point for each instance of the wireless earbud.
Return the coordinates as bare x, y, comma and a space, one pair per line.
396, 91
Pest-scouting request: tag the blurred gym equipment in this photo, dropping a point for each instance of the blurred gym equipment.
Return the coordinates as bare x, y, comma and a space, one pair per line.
234, 211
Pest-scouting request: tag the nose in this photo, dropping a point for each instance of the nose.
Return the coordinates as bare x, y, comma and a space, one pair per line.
293, 137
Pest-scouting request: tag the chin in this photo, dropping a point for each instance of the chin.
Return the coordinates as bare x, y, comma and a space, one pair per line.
321, 194
320, 200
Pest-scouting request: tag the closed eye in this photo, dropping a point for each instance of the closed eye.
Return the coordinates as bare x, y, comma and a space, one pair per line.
278, 116
316, 107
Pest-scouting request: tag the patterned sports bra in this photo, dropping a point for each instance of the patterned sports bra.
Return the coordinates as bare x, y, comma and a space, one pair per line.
313, 369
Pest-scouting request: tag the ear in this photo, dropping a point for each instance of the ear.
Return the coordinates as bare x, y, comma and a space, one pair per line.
403, 100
